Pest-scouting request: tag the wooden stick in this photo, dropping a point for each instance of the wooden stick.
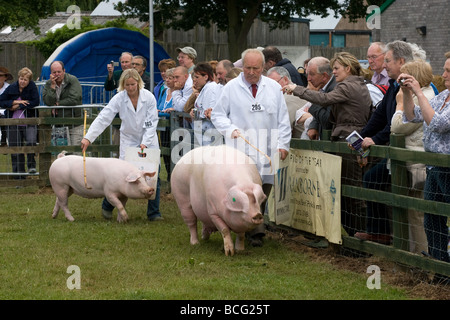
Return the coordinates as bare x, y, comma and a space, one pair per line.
270, 161
84, 152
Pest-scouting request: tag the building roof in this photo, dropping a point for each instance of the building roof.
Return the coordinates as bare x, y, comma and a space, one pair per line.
106, 9
317, 23
102, 13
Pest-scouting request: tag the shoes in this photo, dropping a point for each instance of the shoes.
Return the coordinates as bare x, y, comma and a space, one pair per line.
256, 240
32, 170
379, 238
157, 218
107, 214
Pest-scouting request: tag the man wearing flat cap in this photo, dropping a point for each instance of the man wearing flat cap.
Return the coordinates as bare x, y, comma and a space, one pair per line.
186, 58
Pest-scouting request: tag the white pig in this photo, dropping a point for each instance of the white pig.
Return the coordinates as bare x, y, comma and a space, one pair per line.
115, 179
221, 187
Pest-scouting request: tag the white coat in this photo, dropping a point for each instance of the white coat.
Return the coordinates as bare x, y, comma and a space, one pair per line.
207, 99
138, 126
263, 121
180, 97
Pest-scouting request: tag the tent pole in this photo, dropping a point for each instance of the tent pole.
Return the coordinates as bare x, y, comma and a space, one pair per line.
150, 28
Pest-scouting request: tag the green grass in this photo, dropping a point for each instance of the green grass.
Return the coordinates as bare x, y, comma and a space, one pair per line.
150, 260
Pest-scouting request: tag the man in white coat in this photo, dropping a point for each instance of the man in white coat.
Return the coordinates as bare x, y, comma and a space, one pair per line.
252, 107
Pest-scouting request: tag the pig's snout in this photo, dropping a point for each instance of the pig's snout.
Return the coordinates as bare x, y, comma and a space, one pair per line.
150, 191
258, 218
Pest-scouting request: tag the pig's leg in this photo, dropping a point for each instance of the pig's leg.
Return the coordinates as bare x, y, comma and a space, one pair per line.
117, 202
240, 241
62, 199
55, 209
190, 219
226, 234
122, 214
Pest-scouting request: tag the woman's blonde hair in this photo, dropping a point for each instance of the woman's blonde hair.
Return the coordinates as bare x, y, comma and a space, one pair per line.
169, 72
26, 72
346, 59
127, 74
233, 73
419, 69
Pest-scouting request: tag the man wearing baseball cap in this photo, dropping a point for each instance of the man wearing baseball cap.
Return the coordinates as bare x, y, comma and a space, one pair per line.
186, 58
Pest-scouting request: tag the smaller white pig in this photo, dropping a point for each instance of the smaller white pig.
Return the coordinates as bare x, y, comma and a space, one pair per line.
115, 179
221, 187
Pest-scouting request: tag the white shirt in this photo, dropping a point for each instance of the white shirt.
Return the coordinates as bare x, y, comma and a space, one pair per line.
138, 126
180, 97
263, 120
5, 85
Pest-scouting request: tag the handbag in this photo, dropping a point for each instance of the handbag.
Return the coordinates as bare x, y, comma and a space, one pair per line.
417, 175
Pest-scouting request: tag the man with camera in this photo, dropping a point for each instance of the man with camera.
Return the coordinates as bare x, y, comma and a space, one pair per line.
112, 80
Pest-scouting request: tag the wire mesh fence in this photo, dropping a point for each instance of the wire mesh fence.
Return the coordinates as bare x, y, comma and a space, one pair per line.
386, 206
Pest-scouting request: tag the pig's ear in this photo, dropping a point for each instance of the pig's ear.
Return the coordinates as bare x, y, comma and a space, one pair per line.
259, 193
236, 200
132, 177
148, 174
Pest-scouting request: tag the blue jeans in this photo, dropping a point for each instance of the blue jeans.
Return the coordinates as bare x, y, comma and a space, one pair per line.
152, 205
437, 188
377, 178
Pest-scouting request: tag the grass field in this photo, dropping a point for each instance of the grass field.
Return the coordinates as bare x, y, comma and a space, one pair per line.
150, 260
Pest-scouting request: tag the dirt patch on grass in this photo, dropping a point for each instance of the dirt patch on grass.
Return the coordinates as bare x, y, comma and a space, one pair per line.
417, 283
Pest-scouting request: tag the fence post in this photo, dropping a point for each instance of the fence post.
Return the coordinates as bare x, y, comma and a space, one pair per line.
45, 138
399, 181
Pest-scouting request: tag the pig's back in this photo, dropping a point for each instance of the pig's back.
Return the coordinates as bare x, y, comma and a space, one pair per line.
70, 170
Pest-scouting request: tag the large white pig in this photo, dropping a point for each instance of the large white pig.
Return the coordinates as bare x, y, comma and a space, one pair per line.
115, 179
221, 187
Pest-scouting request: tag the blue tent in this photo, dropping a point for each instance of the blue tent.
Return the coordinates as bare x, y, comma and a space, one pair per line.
86, 55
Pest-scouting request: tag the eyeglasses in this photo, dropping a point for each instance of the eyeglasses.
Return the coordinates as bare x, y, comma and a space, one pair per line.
374, 57
279, 79
136, 64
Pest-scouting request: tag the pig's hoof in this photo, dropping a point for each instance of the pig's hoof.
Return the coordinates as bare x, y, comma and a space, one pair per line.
107, 214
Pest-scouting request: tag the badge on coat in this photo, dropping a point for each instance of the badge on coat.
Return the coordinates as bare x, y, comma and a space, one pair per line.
148, 123
257, 108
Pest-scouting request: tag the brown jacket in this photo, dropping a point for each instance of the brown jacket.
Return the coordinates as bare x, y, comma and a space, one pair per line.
350, 101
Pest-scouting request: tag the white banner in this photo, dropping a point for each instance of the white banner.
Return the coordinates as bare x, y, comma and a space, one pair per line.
307, 192
145, 160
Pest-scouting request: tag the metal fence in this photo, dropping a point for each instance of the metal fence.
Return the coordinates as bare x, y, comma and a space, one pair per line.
92, 92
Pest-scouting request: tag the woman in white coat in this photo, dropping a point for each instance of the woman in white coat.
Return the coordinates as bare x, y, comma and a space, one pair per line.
136, 107
206, 91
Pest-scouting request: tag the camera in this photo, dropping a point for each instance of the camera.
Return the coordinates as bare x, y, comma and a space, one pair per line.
114, 64
196, 114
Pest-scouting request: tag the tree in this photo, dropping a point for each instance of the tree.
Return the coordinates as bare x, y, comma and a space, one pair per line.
236, 16
25, 13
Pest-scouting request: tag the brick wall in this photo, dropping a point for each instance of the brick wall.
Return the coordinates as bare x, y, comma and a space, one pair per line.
400, 20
